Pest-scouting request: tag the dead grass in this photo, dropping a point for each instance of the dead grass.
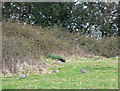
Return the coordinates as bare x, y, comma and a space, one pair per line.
21, 42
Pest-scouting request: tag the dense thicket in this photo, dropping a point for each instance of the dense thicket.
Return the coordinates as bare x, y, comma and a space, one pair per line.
23, 41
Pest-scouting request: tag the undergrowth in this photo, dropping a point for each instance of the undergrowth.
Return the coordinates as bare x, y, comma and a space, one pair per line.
19, 42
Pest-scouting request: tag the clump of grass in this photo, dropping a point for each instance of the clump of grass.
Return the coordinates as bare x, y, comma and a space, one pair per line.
95, 59
54, 56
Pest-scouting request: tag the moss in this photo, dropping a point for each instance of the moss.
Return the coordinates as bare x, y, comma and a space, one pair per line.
54, 56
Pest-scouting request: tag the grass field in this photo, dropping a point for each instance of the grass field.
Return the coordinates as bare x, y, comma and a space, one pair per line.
102, 73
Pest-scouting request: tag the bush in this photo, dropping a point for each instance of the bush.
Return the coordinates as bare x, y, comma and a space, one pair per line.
107, 47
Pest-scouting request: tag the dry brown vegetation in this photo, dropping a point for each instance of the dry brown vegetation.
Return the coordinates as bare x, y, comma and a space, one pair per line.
32, 42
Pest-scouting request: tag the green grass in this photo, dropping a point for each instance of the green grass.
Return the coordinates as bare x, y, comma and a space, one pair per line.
54, 56
101, 74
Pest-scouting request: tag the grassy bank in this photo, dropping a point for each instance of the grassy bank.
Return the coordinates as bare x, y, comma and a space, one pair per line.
28, 50
30, 43
20, 40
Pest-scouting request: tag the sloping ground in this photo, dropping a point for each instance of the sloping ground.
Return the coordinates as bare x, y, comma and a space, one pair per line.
102, 73
20, 40
34, 42
27, 44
